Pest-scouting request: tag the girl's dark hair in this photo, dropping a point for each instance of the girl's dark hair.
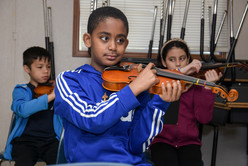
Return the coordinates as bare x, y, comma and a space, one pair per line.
102, 13
34, 53
167, 46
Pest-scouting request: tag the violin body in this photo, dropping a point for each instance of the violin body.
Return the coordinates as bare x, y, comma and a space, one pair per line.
44, 88
115, 80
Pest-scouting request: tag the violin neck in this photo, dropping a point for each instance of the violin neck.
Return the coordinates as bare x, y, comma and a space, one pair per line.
185, 78
206, 66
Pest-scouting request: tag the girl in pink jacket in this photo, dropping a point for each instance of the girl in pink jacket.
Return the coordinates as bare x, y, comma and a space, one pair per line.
178, 144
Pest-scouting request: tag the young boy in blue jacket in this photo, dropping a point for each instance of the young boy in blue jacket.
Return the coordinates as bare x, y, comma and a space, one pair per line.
102, 125
37, 130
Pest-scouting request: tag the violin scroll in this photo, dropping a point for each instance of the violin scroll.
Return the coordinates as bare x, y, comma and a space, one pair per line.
232, 95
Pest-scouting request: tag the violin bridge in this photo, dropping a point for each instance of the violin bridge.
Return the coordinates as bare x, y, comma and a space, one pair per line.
140, 67
126, 67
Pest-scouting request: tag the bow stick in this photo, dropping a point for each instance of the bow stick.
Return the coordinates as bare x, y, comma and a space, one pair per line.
202, 33
46, 23
169, 20
235, 40
51, 45
213, 30
233, 70
164, 12
153, 30
184, 19
214, 58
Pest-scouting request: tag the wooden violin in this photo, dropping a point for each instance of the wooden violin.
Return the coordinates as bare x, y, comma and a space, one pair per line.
42, 89
117, 77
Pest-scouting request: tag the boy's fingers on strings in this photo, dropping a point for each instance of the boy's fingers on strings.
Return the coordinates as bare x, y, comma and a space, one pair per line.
166, 91
150, 74
150, 66
145, 80
171, 91
179, 89
174, 94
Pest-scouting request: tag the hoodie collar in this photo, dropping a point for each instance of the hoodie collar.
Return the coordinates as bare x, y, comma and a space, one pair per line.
89, 68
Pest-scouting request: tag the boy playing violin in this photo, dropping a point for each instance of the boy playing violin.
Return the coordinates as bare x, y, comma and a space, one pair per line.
106, 126
37, 130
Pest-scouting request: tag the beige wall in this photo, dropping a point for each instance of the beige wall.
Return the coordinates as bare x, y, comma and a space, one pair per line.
22, 26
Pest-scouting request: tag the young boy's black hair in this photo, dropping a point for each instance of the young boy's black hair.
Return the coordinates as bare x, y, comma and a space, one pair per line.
100, 14
34, 53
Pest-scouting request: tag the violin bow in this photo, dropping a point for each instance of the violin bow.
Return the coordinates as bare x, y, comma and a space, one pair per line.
218, 35
212, 36
237, 34
214, 58
93, 5
169, 22
184, 20
164, 12
202, 33
233, 70
51, 45
219, 31
209, 20
48, 35
214, 18
46, 23
235, 40
153, 30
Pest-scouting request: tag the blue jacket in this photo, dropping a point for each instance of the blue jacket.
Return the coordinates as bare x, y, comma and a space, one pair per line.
23, 106
116, 130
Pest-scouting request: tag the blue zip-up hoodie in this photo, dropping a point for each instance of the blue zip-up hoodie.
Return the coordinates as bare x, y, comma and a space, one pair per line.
118, 129
23, 106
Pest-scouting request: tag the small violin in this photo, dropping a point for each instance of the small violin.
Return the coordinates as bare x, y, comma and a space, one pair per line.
46, 88
117, 77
